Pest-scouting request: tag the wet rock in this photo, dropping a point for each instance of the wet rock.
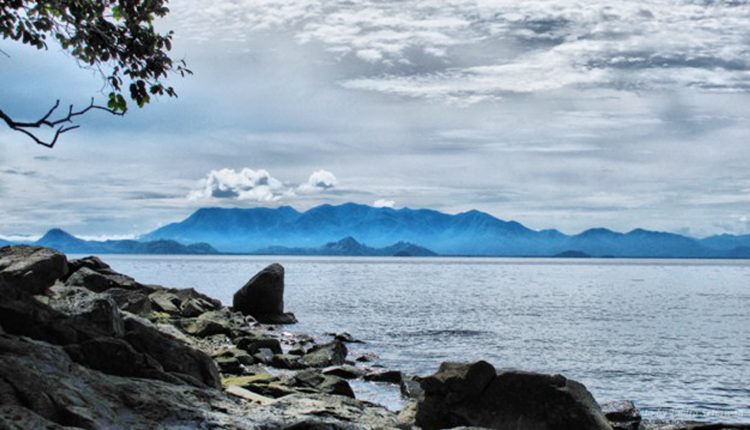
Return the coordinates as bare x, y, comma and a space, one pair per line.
462, 394
364, 356
232, 360
252, 343
622, 415
264, 355
410, 387
344, 337
329, 384
390, 376
263, 297
190, 365
344, 371
31, 268
287, 361
325, 355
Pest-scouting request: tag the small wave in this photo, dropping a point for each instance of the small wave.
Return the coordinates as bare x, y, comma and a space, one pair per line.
447, 332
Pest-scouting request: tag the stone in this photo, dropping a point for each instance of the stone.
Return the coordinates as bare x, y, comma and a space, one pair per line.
231, 360
389, 376
329, 384
622, 415
203, 327
165, 301
31, 268
287, 361
82, 305
133, 301
253, 343
101, 280
190, 365
263, 297
344, 371
463, 394
410, 387
344, 337
325, 355
92, 262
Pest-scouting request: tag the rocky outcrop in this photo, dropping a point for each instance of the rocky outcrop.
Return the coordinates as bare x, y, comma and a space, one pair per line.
32, 268
622, 415
462, 394
262, 297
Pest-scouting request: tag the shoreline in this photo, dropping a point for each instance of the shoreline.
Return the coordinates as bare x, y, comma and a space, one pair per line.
268, 375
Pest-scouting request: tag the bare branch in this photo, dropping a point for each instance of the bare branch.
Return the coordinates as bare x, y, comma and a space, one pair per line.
45, 121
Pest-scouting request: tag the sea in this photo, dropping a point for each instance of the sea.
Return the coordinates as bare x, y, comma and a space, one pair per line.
673, 336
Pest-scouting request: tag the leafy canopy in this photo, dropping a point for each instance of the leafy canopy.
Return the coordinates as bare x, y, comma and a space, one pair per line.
116, 37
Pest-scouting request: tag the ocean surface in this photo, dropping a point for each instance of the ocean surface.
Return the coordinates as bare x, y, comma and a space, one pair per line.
671, 335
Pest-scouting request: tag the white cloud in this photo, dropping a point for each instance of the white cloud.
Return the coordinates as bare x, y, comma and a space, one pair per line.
383, 203
257, 185
247, 184
320, 180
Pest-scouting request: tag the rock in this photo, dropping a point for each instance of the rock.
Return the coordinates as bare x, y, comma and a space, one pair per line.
190, 365
325, 355
263, 297
329, 384
462, 394
252, 343
31, 268
410, 387
231, 360
364, 357
390, 376
42, 388
203, 327
287, 361
264, 355
135, 302
344, 371
622, 415
101, 280
344, 337
82, 305
165, 301
92, 262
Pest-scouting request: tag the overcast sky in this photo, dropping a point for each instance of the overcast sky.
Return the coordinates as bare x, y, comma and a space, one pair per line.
557, 114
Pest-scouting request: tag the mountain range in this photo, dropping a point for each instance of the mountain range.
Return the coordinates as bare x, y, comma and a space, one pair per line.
65, 242
350, 247
468, 233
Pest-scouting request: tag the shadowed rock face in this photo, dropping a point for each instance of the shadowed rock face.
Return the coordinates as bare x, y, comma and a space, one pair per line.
32, 268
263, 297
462, 394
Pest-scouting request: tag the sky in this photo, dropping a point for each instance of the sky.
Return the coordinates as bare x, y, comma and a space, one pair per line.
557, 114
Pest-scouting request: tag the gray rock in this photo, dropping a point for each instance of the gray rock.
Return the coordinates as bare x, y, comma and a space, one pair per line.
390, 376
325, 355
462, 394
190, 365
329, 384
32, 268
83, 306
253, 342
232, 360
102, 280
165, 301
344, 371
622, 415
263, 297
410, 387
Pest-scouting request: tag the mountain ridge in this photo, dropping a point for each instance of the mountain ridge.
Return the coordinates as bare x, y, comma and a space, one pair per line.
248, 230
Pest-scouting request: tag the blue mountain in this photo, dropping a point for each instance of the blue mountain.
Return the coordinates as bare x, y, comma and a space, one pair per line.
65, 242
351, 247
466, 233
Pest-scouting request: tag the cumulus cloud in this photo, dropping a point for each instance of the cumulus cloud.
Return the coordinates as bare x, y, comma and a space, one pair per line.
257, 185
247, 184
383, 203
320, 180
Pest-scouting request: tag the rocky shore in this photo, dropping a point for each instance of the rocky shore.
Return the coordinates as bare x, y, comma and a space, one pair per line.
82, 346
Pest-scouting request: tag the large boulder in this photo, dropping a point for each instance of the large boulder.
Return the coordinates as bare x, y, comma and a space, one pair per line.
263, 297
325, 355
463, 394
32, 268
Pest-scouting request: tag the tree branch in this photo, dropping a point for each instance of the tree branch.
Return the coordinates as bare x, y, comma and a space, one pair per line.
45, 121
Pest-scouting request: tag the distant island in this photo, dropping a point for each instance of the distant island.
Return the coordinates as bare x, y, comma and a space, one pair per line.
359, 230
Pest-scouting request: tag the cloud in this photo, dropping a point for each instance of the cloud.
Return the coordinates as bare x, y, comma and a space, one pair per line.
466, 52
320, 180
383, 203
257, 185
247, 184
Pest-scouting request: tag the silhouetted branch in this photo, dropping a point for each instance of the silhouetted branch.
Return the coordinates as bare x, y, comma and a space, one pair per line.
45, 121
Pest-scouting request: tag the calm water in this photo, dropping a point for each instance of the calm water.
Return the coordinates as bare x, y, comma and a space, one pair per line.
674, 336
